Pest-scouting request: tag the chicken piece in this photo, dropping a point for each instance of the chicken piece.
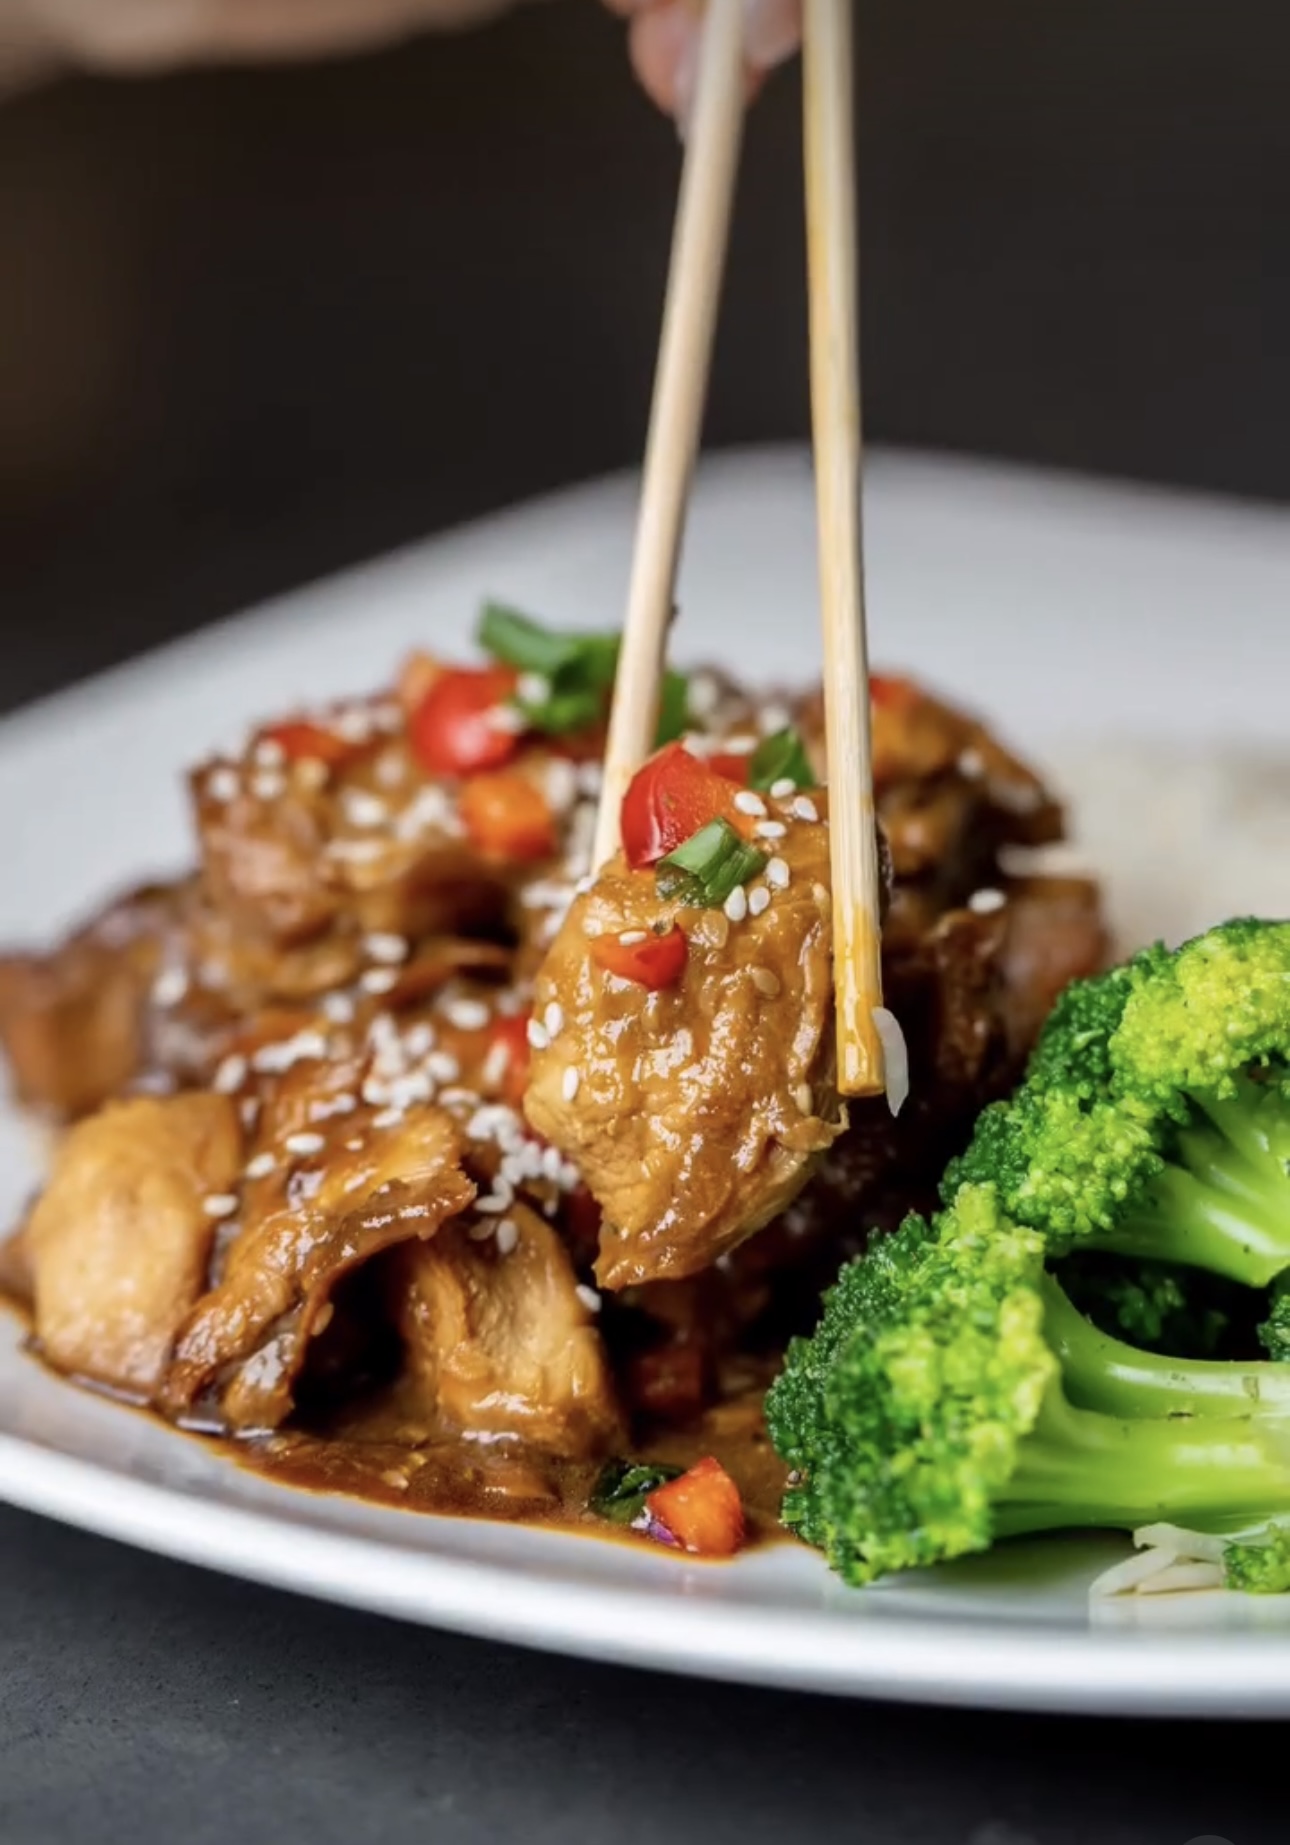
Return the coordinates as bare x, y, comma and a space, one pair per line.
118, 1244
694, 1112
499, 1339
72, 1023
303, 1228
949, 794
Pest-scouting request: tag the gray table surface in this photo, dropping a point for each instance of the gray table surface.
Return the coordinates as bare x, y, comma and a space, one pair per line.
143, 1700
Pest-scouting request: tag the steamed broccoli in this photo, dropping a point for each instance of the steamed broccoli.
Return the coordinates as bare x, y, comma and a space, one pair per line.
1154, 1119
1163, 1308
953, 1396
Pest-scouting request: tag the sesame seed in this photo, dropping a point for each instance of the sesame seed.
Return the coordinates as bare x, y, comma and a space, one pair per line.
379, 980
803, 1098
305, 1145
630, 937
443, 1067
570, 1081
250, 1113
552, 1162
171, 988
356, 1145
758, 900
429, 809
738, 746
495, 1066
703, 694
971, 764
388, 1118
537, 1035
312, 774
333, 1106
765, 982
508, 1236
353, 725
338, 1008
223, 785
466, 1014
784, 788
390, 950
459, 1098
533, 688
357, 851
589, 1298
268, 785
420, 1040
561, 779
778, 874
804, 808
220, 1204
749, 803
387, 717
390, 770
772, 718
231, 1074
269, 754
261, 1166
500, 1199
770, 829
986, 902
507, 720
480, 1233
736, 904
274, 1059
363, 809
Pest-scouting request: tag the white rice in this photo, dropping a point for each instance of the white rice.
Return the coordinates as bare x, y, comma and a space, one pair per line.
1181, 839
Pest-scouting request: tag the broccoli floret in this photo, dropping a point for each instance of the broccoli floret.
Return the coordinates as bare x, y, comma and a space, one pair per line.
1154, 1118
1162, 1308
1274, 1333
946, 1407
1260, 1565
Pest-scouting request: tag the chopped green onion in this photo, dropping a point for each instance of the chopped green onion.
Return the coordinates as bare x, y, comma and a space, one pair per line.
781, 758
623, 1487
579, 672
705, 870
674, 709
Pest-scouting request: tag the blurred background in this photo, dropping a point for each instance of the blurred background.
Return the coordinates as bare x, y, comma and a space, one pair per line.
257, 325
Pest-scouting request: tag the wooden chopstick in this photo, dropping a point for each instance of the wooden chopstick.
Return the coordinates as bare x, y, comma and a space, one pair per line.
699, 243
835, 412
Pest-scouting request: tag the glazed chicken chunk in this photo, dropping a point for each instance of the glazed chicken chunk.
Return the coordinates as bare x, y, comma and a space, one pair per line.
684, 1053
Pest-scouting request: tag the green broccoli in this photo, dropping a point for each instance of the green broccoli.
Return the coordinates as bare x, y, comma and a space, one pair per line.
1154, 1118
953, 1397
1163, 1308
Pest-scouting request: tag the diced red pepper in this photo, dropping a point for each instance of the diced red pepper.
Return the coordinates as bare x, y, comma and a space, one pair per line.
669, 799
657, 962
702, 1510
513, 1034
455, 729
303, 741
734, 768
508, 816
892, 694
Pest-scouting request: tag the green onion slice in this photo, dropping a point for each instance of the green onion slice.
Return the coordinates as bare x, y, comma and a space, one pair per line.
623, 1487
705, 870
577, 674
781, 758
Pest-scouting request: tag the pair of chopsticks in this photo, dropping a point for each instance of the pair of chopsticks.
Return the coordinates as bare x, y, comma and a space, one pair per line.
680, 391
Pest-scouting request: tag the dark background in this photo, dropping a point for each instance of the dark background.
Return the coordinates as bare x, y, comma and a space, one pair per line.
256, 325
253, 327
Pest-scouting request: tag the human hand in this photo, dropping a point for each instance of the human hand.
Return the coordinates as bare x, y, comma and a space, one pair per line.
664, 37
141, 35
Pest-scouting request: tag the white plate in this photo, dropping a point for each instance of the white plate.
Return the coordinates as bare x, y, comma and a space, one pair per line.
1059, 609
